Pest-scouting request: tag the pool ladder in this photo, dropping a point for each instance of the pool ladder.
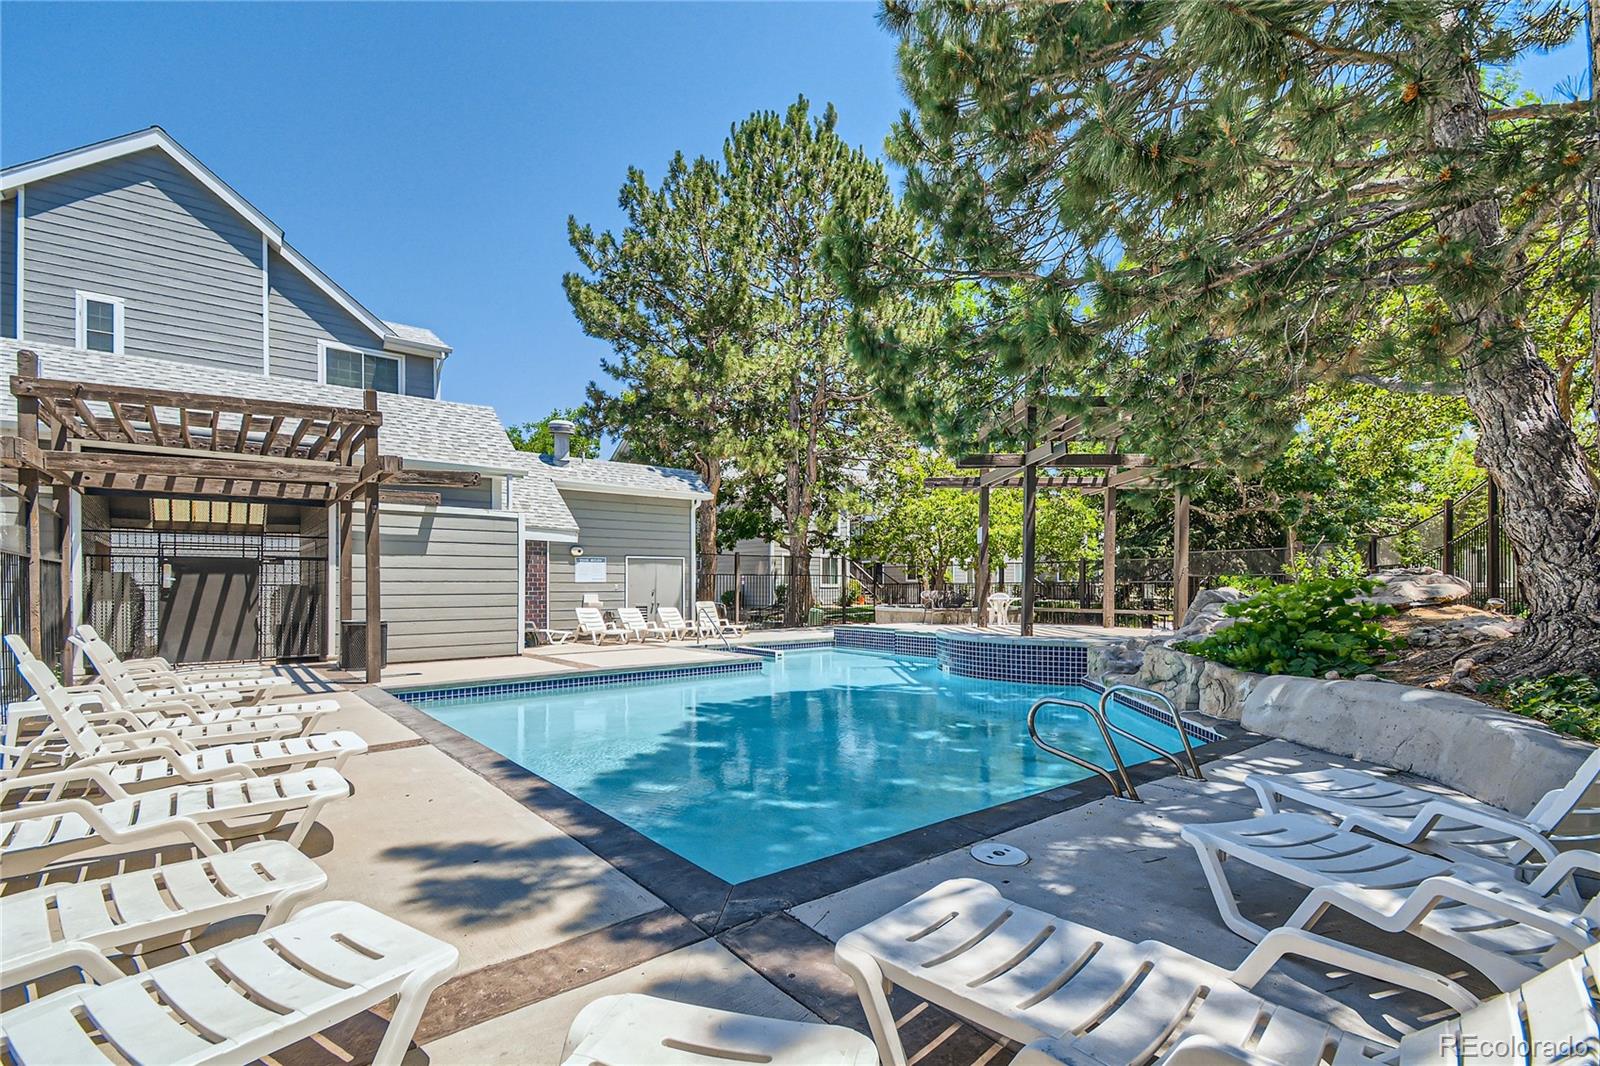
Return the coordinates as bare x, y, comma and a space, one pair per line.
1121, 784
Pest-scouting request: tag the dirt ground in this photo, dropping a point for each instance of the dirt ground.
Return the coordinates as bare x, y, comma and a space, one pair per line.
1435, 667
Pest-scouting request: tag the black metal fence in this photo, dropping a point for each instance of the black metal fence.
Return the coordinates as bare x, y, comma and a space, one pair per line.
14, 617
128, 570
1462, 538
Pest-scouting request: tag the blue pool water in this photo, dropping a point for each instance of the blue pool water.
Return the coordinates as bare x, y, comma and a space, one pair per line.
748, 773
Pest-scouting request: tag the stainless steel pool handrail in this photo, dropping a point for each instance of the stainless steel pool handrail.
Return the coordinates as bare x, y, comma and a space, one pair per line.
1117, 787
1147, 694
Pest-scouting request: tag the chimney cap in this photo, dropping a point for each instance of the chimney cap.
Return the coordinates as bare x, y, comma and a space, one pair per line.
562, 425
561, 436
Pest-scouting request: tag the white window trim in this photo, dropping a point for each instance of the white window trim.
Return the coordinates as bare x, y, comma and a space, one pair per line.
822, 578
81, 300
322, 361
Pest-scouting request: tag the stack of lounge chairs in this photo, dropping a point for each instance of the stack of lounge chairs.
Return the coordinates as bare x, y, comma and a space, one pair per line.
145, 758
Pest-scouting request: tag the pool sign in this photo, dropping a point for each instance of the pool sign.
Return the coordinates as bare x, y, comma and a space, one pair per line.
589, 569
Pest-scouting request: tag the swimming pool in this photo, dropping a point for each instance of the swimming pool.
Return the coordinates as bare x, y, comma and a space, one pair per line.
818, 752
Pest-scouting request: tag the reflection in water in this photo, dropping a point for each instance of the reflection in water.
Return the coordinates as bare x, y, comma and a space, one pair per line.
746, 774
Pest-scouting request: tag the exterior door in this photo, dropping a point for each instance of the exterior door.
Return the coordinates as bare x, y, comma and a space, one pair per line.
653, 583
211, 611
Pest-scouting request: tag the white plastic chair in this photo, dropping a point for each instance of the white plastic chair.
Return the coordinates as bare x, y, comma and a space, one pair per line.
115, 673
1504, 928
1032, 976
710, 622
83, 924
633, 621
155, 666
38, 833
673, 621
245, 999
593, 624
1000, 609
636, 1028
1564, 819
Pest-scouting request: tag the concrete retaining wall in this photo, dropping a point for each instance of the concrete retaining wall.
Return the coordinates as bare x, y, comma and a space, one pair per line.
1499, 758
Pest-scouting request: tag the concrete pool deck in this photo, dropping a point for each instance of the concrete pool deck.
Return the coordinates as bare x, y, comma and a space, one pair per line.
545, 925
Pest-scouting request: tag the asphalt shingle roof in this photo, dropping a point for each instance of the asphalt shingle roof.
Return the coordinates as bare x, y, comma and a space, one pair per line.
537, 497
598, 475
418, 334
425, 431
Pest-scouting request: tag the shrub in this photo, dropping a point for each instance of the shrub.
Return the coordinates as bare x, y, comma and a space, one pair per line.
1338, 561
1245, 582
1567, 703
853, 592
1306, 629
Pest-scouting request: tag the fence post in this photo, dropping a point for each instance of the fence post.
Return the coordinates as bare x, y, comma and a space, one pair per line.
736, 596
1494, 542
1447, 559
1372, 554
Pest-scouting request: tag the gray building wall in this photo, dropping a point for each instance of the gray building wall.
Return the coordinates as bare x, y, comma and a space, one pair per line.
8, 267
300, 316
186, 266
452, 583
419, 376
616, 527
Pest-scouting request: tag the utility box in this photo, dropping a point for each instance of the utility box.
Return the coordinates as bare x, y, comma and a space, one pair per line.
353, 645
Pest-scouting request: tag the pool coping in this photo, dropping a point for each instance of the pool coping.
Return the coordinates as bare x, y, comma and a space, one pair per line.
716, 905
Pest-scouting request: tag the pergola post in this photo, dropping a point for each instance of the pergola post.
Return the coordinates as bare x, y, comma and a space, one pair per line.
1030, 493
28, 482
981, 592
1108, 565
373, 554
1180, 558
63, 499
347, 577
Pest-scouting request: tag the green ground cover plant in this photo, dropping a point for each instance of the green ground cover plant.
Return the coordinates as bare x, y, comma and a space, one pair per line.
1567, 703
1306, 629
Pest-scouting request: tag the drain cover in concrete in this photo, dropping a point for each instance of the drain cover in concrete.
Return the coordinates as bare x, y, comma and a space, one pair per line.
991, 854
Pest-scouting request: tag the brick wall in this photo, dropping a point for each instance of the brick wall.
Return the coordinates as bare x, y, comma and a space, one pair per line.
536, 598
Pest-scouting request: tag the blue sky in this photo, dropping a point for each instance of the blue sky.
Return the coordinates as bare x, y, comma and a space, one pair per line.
427, 155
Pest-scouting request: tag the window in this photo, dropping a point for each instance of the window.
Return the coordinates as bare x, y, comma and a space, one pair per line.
362, 370
830, 571
99, 322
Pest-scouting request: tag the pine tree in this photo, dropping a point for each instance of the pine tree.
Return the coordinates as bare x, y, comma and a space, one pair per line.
672, 297
1195, 210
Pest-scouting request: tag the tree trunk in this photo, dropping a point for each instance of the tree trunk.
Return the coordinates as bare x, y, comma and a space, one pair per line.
1552, 512
1594, 221
705, 581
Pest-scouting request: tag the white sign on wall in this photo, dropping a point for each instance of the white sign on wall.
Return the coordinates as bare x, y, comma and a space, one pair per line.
589, 569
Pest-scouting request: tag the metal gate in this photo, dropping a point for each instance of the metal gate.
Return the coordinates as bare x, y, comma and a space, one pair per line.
129, 573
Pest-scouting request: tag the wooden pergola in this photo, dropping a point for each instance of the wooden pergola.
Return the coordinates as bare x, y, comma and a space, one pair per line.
74, 436
1068, 445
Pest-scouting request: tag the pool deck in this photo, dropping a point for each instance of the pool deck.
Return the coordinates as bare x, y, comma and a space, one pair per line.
545, 925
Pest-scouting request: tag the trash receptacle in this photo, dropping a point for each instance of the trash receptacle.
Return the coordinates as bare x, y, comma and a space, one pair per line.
353, 645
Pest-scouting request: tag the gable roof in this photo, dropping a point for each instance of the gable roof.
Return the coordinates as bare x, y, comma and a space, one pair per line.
157, 139
431, 432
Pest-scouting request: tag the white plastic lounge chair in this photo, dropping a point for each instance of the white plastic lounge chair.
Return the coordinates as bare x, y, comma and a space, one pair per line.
708, 616
155, 666
1566, 818
554, 636
84, 923
635, 1028
34, 835
243, 1000
1000, 608
194, 719
115, 673
1551, 1019
1028, 975
672, 619
146, 758
1506, 929
593, 624
633, 621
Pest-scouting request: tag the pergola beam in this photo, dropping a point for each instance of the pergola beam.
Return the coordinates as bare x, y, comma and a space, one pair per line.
51, 389
1083, 483
1052, 457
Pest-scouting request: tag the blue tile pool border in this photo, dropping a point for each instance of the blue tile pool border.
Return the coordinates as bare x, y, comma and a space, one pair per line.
590, 679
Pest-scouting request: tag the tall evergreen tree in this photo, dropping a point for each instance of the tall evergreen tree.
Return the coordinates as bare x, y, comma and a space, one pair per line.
1195, 210
672, 296
822, 431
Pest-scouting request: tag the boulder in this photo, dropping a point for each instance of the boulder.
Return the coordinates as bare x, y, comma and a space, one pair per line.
1204, 616
1416, 586
1224, 689
1499, 758
1469, 629
1174, 674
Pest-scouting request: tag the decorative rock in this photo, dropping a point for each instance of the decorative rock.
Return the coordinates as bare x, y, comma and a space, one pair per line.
1499, 758
1366, 677
1331, 675
1462, 669
1223, 690
1417, 586
1174, 674
1204, 616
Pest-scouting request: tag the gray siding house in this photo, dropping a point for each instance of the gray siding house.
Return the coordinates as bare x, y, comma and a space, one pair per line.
128, 262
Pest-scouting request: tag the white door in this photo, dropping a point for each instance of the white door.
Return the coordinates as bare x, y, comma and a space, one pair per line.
654, 582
